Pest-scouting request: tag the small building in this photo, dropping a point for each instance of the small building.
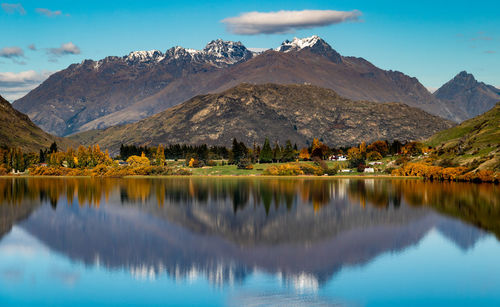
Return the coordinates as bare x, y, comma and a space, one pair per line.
122, 163
375, 163
346, 170
369, 170
337, 158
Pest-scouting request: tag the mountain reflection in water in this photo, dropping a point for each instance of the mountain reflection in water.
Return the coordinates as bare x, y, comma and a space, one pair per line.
222, 229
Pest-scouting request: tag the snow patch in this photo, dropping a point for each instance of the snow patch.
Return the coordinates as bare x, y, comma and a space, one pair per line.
298, 44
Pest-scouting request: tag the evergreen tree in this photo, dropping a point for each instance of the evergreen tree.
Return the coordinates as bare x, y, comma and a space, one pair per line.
53, 147
238, 151
41, 156
266, 154
277, 152
288, 152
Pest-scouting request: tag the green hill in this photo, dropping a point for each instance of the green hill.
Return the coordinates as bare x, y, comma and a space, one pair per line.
474, 143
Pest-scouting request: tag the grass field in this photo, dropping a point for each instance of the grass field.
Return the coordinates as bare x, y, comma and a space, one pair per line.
258, 169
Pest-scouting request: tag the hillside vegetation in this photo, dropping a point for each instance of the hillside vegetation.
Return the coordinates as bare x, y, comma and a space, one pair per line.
18, 131
475, 143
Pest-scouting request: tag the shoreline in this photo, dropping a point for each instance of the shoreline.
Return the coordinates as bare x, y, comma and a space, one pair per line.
227, 176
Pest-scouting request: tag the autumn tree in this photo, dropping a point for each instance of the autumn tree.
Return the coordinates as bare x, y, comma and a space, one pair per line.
136, 161
304, 154
160, 155
316, 150
373, 156
412, 149
355, 157
379, 146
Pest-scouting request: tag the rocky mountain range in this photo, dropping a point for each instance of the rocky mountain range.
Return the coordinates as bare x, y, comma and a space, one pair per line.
119, 90
17, 130
472, 96
281, 112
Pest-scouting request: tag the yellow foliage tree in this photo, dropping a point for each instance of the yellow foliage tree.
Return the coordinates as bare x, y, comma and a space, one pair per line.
354, 153
137, 161
304, 154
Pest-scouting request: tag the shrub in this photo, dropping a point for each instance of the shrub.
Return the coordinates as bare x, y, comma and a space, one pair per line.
288, 169
194, 163
245, 163
3, 171
331, 171
309, 169
445, 173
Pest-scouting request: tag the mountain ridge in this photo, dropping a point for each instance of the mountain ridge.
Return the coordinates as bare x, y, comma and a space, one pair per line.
17, 130
281, 112
120, 90
472, 96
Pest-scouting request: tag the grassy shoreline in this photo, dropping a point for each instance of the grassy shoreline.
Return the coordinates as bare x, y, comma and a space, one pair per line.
381, 176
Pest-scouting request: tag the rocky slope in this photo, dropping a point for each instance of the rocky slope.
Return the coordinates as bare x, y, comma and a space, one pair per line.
17, 130
475, 142
465, 92
118, 90
280, 112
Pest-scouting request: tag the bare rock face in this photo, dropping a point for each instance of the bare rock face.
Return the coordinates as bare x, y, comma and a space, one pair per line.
281, 112
120, 90
466, 93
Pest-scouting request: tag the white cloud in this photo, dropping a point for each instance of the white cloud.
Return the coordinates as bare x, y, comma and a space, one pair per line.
15, 85
48, 12
11, 52
253, 23
12, 8
68, 48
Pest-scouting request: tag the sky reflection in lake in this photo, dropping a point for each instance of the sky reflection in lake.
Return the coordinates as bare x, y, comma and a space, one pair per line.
248, 242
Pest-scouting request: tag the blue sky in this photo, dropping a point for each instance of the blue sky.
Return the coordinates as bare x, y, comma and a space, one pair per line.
430, 40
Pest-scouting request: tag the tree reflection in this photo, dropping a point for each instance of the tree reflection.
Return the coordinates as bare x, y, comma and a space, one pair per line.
478, 204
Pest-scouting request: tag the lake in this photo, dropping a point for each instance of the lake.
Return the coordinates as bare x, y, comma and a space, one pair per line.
248, 242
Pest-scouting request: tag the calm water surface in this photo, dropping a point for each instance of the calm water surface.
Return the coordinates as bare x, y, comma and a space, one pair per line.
248, 242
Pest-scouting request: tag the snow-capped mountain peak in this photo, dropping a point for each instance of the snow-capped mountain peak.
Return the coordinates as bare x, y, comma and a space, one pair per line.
145, 56
228, 52
299, 43
314, 43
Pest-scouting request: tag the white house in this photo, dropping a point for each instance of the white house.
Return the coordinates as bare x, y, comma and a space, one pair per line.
369, 170
338, 158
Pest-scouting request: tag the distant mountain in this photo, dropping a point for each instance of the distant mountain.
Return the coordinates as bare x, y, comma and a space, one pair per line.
281, 112
465, 92
17, 130
118, 90
474, 143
